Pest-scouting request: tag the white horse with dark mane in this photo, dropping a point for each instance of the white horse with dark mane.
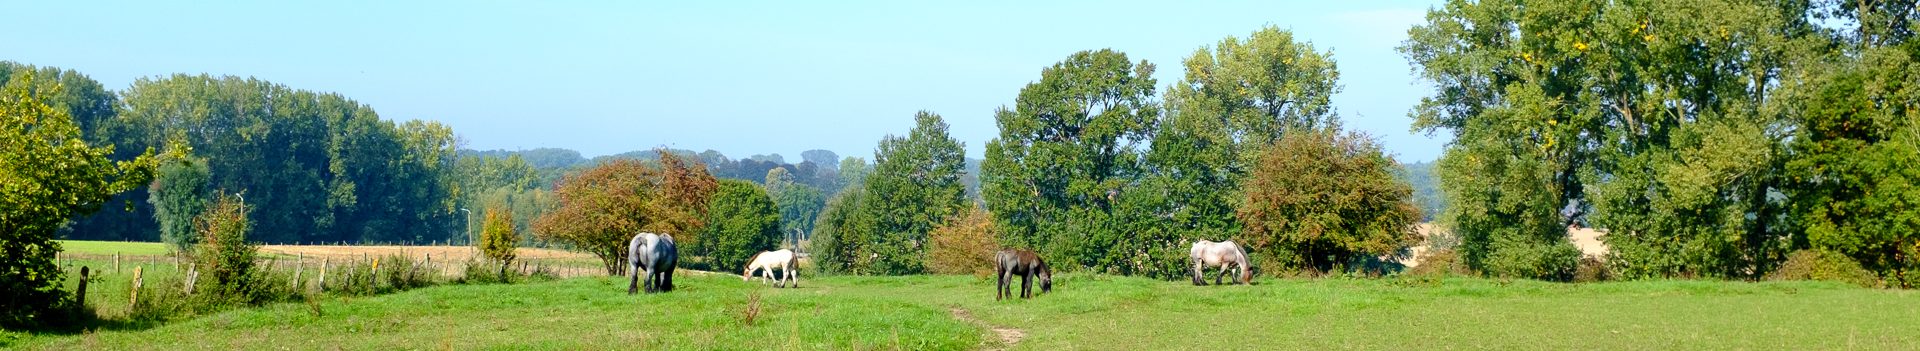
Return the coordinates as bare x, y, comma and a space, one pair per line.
767, 261
1220, 254
653, 256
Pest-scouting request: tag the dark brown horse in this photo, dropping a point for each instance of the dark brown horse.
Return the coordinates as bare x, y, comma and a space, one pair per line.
1024, 263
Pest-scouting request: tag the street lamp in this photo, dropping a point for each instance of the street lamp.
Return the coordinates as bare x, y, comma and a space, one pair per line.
469, 223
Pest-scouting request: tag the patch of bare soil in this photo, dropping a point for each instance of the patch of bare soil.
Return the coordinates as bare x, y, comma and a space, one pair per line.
1008, 336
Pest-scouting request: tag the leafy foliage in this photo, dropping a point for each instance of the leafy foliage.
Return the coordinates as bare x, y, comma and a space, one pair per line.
964, 245
179, 193
224, 256
1067, 149
47, 175
741, 221
914, 187
1642, 118
600, 208
335, 172
498, 238
1323, 199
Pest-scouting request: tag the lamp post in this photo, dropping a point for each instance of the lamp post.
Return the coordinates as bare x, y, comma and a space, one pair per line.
469, 223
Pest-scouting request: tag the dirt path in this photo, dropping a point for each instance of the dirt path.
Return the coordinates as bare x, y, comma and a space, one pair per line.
1008, 336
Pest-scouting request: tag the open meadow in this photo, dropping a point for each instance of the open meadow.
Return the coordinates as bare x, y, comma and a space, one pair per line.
717, 311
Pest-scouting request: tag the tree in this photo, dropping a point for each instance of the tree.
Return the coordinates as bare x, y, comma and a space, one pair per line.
602, 207
741, 221
47, 175
915, 186
824, 158
180, 192
1856, 187
1323, 199
842, 233
1236, 98
964, 245
799, 205
1641, 118
92, 108
1068, 149
498, 240
880, 225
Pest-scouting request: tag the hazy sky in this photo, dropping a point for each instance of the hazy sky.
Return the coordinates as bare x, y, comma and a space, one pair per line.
739, 77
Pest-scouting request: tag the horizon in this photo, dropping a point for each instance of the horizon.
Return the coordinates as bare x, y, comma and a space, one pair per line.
741, 79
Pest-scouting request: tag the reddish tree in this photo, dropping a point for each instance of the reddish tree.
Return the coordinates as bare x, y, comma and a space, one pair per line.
601, 207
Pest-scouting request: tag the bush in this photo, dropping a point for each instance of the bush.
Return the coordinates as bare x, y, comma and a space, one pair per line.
1591, 269
497, 238
1554, 261
1441, 263
964, 245
224, 259
1824, 265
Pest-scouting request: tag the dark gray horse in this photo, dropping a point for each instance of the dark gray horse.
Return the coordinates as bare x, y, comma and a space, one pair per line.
654, 256
1024, 263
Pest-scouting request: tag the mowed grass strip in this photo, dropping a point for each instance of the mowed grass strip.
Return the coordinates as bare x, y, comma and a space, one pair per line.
108, 248
1084, 312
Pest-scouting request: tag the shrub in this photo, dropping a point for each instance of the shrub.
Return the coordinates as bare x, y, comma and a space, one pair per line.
497, 238
964, 245
1441, 262
225, 260
1824, 265
1524, 259
1591, 269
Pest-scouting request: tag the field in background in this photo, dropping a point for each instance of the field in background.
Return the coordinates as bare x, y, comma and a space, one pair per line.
713, 311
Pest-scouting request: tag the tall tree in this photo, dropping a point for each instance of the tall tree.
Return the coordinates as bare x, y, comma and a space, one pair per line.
1236, 98
47, 175
1642, 118
1067, 148
1856, 189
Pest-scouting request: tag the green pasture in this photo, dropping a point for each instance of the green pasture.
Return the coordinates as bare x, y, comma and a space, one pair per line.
710, 311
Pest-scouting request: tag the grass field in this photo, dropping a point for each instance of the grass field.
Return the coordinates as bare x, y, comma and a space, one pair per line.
1084, 312
108, 248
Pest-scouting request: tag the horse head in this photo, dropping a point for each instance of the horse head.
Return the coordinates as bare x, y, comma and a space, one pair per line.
1046, 278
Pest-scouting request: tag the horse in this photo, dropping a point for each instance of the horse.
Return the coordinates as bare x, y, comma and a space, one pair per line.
1024, 263
656, 256
784, 260
1210, 254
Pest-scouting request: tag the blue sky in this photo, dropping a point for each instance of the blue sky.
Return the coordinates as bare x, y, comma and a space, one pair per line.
739, 77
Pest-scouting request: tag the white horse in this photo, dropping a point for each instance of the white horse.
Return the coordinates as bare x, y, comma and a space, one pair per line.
1220, 254
767, 261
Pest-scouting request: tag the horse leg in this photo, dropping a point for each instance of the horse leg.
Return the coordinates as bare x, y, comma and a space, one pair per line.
1223, 274
666, 279
653, 283
999, 284
793, 277
1026, 285
1198, 272
633, 283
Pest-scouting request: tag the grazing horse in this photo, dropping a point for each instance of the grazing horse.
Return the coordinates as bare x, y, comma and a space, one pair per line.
1024, 263
1210, 254
767, 261
654, 256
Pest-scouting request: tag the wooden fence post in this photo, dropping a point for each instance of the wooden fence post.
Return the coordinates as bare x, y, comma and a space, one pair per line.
135, 300
80, 294
323, 273
116, 262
